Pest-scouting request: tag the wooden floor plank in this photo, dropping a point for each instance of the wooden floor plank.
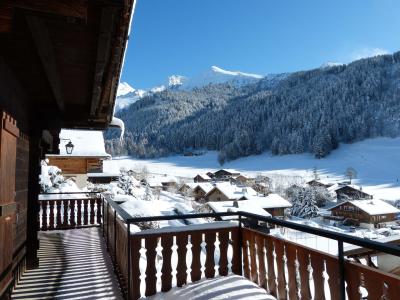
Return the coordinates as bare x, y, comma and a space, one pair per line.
74, 265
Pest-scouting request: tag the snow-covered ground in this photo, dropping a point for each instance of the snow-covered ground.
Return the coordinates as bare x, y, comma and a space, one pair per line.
376, 161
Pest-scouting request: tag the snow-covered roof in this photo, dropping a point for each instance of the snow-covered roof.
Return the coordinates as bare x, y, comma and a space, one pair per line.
338, 186
204, 176
232, 191
86, 143
270, 201
372, 206
244, 205
205, 186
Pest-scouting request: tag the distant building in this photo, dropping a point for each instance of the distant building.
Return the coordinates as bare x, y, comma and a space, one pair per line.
169, 183
372, 211
243, 180
200, 190
348, 192
202, 178
234, 206
319, 183
87, 154
187, 188
224, 175
273, 203
225, 191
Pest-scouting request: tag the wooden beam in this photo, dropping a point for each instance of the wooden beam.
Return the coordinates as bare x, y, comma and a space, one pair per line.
107, 27
46, 53
67, 8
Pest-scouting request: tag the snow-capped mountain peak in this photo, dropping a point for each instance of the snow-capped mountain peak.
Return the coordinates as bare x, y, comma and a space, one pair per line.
124, 88
235, 73
176, 80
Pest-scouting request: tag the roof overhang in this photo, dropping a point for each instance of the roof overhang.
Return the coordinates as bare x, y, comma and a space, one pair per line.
67, 55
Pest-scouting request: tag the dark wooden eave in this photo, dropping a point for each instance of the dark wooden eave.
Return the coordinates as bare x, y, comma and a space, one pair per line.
67, 56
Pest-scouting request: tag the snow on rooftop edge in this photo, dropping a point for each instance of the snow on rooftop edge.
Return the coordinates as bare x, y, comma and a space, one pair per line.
86, 142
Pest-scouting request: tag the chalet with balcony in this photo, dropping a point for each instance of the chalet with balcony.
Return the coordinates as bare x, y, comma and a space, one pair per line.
319, 183
369, 213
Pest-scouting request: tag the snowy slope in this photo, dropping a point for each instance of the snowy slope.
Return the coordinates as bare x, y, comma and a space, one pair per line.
126, 95
376, 161
217, 75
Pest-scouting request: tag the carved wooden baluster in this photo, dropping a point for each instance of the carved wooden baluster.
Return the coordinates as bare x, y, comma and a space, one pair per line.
98, 211
65, 213
391, 287
151, 271
317, 264
51, 214
166, 270
58, 216
223, 249
332, 268
79, 212
85, 212
44, 215
210, 248
181, 242
92, 201
269, 248
253, 258
72, 212
374, 285
291, 267
280, 262
196, 240
134, 284
262, 278
353, 281
304, 262
236, 263
245, 253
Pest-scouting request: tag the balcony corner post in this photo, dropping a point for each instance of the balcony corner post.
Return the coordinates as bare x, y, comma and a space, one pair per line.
240, 240
129, 260
341, 271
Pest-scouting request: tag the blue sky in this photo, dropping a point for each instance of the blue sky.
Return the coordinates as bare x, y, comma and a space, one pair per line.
186, 37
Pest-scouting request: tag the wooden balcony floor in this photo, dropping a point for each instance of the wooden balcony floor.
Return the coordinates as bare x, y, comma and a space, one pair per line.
74, 264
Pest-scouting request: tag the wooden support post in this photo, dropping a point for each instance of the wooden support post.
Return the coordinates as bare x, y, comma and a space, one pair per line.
33, 207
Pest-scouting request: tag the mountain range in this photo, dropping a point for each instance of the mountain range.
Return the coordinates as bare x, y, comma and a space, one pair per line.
240, 114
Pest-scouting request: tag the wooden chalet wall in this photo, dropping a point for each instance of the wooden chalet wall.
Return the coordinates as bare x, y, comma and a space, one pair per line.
350, 211
77, 165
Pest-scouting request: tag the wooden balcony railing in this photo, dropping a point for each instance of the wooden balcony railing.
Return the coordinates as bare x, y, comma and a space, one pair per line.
69, 210
154, 261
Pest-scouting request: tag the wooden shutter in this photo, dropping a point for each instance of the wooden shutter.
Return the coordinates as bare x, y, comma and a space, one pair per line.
8, 148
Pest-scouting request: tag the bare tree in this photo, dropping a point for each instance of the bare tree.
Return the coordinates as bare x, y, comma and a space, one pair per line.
351, 173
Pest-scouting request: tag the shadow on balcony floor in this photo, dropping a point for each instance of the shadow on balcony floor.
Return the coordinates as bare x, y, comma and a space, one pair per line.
74, 264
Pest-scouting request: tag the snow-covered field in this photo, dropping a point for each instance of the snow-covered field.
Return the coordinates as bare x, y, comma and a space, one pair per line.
377, 162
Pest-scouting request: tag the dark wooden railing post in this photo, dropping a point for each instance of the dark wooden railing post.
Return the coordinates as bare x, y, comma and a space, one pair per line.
129, 259
58, 217
341, 271
115, 234
44, 215
79, 213
240, 239
51, 214
91, 202
99, 209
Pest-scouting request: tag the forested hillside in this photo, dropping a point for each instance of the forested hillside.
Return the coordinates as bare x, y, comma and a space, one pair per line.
309, 111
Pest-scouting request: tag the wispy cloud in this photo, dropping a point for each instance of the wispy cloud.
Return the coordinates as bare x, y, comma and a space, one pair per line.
368, 52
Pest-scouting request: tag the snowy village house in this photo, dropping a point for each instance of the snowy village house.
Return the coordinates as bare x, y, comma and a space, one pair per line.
85, 159
348, 192
60, 64
366, 213
201, 178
